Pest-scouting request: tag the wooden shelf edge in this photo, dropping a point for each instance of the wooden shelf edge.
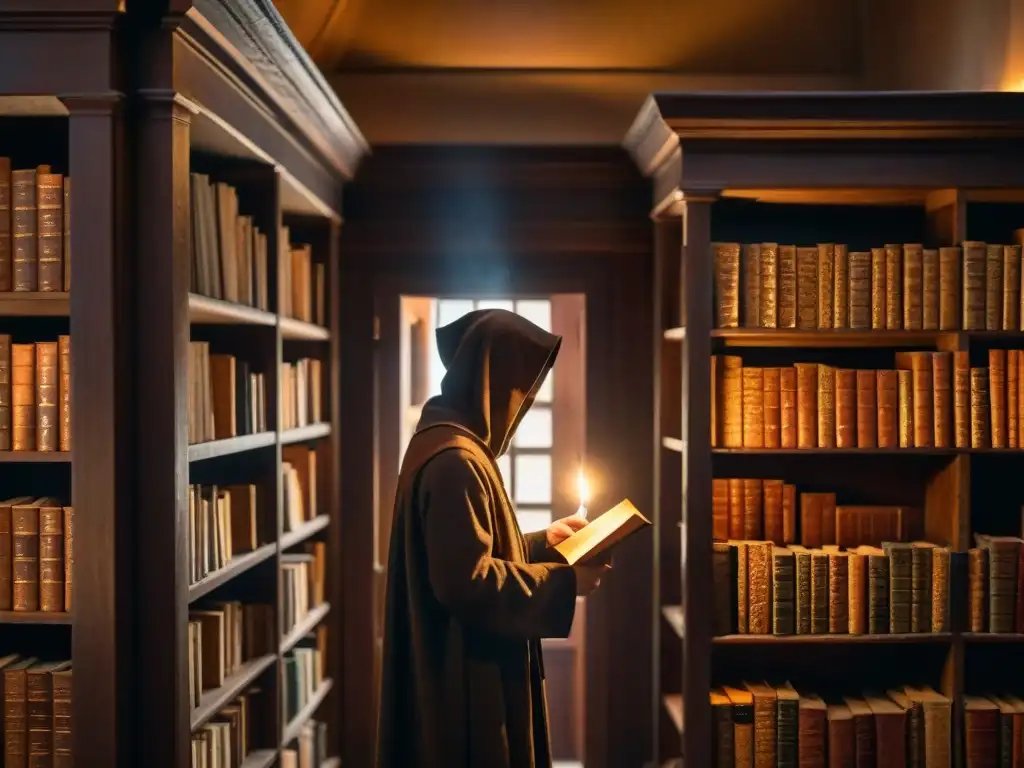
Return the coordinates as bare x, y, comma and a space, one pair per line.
35, 457
673, 614
673, 703
294, 727
214, 700
901, 639
35, 304
993, 637
230, 445
841, 451
260, 758
306, 625
35, 617
306, 530
300, 330
235, 567
308, 432
672, 444
204, 310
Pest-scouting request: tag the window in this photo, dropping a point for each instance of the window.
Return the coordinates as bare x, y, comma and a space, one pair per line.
526, 467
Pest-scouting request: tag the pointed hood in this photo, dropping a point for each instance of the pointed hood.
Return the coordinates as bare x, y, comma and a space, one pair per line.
495, 361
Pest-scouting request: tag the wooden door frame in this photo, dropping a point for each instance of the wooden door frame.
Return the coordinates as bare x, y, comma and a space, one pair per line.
619, 372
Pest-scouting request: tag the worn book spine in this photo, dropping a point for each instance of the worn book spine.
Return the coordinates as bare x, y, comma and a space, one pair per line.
753, 407
900, 587
866, 409
857, 601
920, 589
67, 233
806, 405
47, 397
997, 397
751, 280
860, 290
39, 711
5, 392
15, 723
717, 401
727, 285
802, 572
787, 298
921, 372
930, 289
759, 575
769, 285
720, 508
810, 520
6, 261
772, 408
765, 725
732, 386
69, 556
828, 517
846, 408
812, 742
735, 508
841, 283
23, 227
950, 275
64, 390
743, 588
863, 733
50, 202
1011, 287
977, 582
51, 559
826, 285
62, 687
25, 560
913, 289
789, 513
888, 408
980, 408
961, 400
23, 397
783, 592
788, 407
826, 406
723, 585
743, 733
878, 288
1012, 391
893, 287
981, 733
724, 744
1020, 398
774, 525
819, 593
787, 728
6, 555
753, 512
993, 287
940, 590
942, 400
842, 745
878, 593
905, 384
974, 299
1002, 585
839, 593
807, 288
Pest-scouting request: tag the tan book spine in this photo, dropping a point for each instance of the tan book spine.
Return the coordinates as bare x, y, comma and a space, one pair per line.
961, 400
751, 277
860, 290
819, 593
759, 575
905, 383
787, 286
1011, 287
888, 408
846, 408
1012, 401
806, 405
829, 518
735, 508
23, 219
64, 390
810, 520
788, 407
772, 408
62, 687
921, 371
826, 285
732, 386
839, 593
893, 287
940, 590
857, 599
980, 407
977, 580
774, 523
6, 554
25, 520
913, 287
950, 277
727, 285
826, 406
5, 392
997, 397
6, 250
930, 289
789, 514
867, 409
1020, 399
753, 509
807, 288
993, 287
47, 397
69, 555
67, 233
753, 407
51, 559
974, 301
23, 397
720, 508
769, 285
50, 192
879, 288
841, 279
942, 399
717, 402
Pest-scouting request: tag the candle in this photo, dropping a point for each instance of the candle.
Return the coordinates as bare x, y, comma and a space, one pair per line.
584, 492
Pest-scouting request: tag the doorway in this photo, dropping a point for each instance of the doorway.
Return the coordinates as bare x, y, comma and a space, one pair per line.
540, 469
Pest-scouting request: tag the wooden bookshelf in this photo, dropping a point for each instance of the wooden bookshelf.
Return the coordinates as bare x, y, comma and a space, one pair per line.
863, 169
234, 121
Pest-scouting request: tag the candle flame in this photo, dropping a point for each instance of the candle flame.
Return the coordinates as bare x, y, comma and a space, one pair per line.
582, 486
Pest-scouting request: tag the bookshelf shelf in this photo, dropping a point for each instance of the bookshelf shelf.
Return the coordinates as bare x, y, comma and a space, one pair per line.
35, 304
993, 637
294, 727
305, 531
34, 617
261, 758
216, 448
299, 330
918, 193
212, 701
305, 626
304, 434
35, 457
234, 568
202, 310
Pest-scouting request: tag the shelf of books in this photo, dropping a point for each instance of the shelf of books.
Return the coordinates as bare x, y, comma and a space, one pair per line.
841, 368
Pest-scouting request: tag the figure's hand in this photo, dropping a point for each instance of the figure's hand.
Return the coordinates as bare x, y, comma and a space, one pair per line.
588, 578
562, 529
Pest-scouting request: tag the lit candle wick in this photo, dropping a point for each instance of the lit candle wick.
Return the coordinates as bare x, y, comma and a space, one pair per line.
584, 492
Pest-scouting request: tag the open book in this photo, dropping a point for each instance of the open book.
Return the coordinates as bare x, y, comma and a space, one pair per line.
602, 533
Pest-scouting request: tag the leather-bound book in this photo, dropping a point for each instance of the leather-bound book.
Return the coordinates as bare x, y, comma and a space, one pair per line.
772, 408
62, 690
67, 233
961, 400
905, 411
750, 278
39, 707
787, 726
717, 401
888, 408
950, 281
981, 732
774, 525
980, 409
51, 556
878, 590
826, 285
1020, 398
812, 741
810, 520
769, 285
5, 392
913, 289
765, 724
937, 713
838, 593
23, 397
940, 590
807, 288
727, 284
723, 585
879, 288
47, 397
736, 508
783, 592
24, 228
819, 592
889, 731
993, 287
742, 587
1007, 714
997, 397
846, 408
867, 409
64, 390
787, 408
826, 406
828, 518
806, 405
25, 560
942, 399
921, 371
1003, 555
1018, 729
724, 742
788, 513
15, 722
977, 585
857, 600
860, 290
787, 299
753, 508
802, 572
69, 556
974, 258
921, 587
5, 224
743, 726
1012, 397
759, 589
732, 389
842, 745
893, 287
1011, 288
720, 508
863, 732
841, 282
915, 739
930, 289
50, 253
900, 586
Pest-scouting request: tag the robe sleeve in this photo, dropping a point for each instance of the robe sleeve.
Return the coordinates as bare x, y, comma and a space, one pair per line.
499, 596
537, 548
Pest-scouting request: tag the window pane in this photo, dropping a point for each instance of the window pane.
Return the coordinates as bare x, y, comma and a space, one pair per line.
505, 467
547, 389
537, 311
533, 480
495, 304
535, 430
436, 367
534, 520
450, 310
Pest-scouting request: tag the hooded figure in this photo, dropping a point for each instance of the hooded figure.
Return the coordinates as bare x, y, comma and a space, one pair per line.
468, 595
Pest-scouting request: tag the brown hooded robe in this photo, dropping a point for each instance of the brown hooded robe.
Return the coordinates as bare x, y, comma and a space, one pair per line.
468, 595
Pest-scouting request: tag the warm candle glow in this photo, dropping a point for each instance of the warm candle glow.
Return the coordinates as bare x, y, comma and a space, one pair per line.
583, 488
